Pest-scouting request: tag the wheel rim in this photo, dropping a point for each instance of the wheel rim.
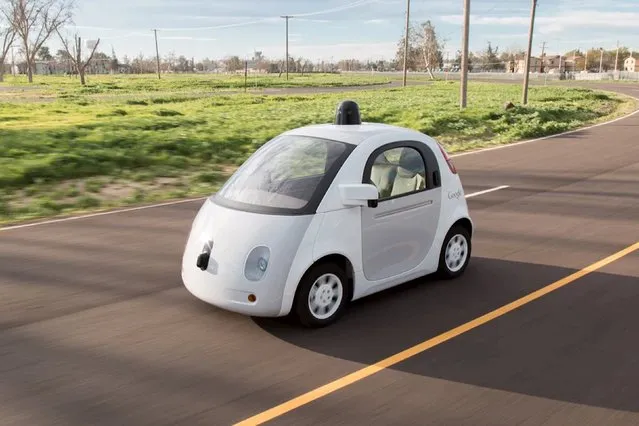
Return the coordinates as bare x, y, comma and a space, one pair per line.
325, 296
456, 253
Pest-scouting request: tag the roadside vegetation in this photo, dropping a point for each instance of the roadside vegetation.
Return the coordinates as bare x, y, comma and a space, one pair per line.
195, 84
80, 153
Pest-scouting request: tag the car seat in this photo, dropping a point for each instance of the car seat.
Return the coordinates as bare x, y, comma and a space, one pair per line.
383, 174
410, 173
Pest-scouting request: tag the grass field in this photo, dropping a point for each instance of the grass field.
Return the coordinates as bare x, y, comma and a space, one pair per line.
79, 153
195, 84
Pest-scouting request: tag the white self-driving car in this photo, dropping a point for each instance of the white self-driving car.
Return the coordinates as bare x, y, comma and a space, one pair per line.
325, 214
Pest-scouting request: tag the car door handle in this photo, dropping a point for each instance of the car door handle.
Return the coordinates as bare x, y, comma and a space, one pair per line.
436, 178
404, 209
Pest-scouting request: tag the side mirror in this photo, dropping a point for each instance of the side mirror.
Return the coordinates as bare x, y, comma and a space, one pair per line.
359, 194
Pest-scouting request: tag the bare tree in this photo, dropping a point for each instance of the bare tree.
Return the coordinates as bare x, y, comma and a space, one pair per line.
7, 36
75, 55
424, 48
431, 47
233, 63
413, 61
34, 21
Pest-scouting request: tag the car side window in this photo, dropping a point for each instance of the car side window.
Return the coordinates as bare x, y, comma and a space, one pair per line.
398, 171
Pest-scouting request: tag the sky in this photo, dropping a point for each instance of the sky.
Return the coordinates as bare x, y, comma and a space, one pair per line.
336, 29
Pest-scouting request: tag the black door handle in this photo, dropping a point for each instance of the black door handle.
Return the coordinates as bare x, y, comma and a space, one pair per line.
436, 178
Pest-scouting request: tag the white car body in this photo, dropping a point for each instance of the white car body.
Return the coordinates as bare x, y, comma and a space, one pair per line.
379, 247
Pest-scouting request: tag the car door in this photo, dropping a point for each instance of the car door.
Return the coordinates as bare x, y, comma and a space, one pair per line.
398, 230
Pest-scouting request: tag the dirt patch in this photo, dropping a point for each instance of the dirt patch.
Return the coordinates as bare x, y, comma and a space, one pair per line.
116, 191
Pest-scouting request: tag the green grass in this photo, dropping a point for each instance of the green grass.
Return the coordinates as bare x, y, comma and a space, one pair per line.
81, 154
180, 84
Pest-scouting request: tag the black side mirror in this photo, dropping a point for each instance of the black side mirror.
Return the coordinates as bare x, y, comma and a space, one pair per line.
373, 203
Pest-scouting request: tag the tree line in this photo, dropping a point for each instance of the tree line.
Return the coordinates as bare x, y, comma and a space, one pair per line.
425, 53
31, 23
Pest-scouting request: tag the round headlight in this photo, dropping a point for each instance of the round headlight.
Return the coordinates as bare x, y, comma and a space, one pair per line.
257, 263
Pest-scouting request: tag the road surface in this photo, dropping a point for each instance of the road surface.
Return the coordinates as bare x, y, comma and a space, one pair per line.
96, 328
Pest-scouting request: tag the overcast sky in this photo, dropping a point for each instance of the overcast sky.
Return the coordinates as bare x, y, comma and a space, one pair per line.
363, 29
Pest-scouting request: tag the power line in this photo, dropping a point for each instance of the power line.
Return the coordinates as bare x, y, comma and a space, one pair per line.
216, 27
252, 22
336, 9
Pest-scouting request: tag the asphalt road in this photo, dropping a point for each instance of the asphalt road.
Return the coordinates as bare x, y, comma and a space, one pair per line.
96, 328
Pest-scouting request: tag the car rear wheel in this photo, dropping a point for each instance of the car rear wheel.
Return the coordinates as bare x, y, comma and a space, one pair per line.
455, 253
322, 295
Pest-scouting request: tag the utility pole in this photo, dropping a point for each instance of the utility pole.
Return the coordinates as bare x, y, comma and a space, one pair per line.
617, 56
406, 41
287, 17
524, 99
601, 60
464, 59
543, 51
586, 60
447, 63
157, 52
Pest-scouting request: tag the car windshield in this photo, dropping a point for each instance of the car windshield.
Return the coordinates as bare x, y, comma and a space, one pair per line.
290, 172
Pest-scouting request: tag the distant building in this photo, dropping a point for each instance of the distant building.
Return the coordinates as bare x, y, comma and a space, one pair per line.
52, 67
450, 66
99, 66
124, 69
571, 63
535, 65
554, 64
45, 67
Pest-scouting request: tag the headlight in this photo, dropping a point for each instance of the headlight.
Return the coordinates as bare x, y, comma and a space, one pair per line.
257, 263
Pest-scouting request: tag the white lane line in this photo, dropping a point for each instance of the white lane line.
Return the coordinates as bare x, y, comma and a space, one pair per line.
132, 209
497, 188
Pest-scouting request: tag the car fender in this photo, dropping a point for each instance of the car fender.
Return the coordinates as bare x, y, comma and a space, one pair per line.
302, 261
337, 232
458, 212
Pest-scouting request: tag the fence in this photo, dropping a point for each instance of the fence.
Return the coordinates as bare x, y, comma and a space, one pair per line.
533, 76
610, 75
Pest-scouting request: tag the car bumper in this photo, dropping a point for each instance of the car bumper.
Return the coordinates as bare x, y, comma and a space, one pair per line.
231, 292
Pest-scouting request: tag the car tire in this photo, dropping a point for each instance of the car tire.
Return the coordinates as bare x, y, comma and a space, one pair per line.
328, 284
455, 253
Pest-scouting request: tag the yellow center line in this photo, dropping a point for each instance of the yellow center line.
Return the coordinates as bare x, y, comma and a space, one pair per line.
421, 347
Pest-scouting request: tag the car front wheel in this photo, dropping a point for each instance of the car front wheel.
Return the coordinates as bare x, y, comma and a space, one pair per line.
455, 253
322, 295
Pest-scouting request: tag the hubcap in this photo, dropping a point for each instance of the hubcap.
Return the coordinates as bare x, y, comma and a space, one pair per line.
325, 296
456, 253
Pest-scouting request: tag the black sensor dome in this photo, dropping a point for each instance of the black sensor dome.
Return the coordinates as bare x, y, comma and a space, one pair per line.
347, 114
